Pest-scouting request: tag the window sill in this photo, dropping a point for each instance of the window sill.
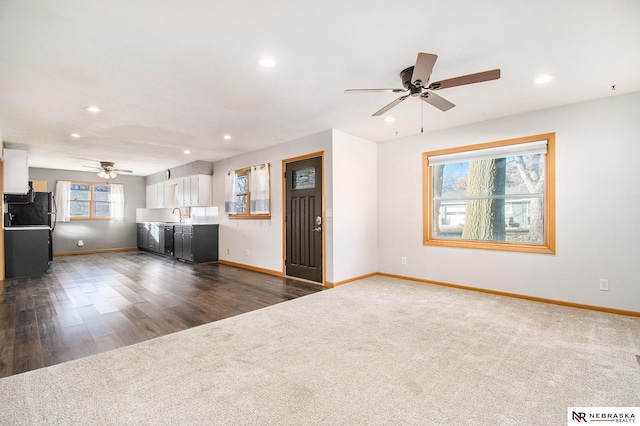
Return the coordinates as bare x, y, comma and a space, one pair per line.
250, 217
529, 248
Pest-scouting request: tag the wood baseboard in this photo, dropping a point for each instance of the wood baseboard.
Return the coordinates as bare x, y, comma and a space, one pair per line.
252, 268
110, 250
331, 285
518, 296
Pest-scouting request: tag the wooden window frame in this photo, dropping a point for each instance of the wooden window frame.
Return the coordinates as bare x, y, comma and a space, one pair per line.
92, 206
247, 215
548, 245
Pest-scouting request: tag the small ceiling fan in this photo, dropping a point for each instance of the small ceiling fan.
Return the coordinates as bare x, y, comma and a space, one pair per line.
415, 80
107, 171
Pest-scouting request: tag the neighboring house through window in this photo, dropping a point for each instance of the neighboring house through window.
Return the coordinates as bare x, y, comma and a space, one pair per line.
498, 195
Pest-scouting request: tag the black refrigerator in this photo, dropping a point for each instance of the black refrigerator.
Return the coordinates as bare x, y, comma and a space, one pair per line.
39, 212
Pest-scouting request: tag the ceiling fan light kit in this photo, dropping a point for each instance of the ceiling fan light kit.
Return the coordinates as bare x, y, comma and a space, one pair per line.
415, 80
107, 170
107, 175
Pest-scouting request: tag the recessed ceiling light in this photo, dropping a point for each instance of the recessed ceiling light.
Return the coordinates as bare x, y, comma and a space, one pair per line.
93, 108
389, 119
75, 135
227, 137
545, 78
267, 62
186, 151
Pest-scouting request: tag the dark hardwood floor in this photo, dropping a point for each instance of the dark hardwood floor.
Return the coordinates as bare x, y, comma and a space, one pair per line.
92, 303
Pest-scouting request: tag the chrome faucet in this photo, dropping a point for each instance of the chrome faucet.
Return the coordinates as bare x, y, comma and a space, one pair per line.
179, 212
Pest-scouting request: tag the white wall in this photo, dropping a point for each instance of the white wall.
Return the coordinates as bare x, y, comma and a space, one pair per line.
597, 203
355, 217
263, 238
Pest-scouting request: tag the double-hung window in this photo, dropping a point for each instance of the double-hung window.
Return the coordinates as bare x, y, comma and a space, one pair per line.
498, 195
248, 192
90, 200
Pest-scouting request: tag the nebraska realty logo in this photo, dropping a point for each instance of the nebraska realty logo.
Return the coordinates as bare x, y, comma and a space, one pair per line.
579, 415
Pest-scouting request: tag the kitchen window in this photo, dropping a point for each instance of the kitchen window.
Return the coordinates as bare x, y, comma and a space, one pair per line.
90, 200
248, 193
497, 196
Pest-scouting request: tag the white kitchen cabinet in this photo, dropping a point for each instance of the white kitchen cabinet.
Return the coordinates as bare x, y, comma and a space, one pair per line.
156, 196
193, 191
152, 197
16, 171
182, 196
200, 190
160, 195
169, 195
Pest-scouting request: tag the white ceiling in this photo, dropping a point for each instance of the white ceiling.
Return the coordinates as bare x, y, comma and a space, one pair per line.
176, 75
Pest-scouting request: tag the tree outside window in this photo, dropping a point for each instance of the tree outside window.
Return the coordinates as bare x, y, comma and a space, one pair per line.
496, 196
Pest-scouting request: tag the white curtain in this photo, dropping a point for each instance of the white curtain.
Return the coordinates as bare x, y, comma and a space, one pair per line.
63, 204
259, 188
117, 201
230, 198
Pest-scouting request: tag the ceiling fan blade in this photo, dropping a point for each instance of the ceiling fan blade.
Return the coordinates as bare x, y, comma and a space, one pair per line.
123, 171
423, 68
93, 167
373, 90
437, 101
390, 105
465, 79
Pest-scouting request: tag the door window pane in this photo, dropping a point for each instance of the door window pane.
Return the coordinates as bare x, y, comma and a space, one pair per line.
304, 178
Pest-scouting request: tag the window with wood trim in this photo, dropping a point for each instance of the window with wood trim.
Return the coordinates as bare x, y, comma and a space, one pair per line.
243, 197
90, 200
497, 196
248, 193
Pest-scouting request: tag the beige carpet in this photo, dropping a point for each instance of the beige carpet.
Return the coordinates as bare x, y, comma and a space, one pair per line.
376, 351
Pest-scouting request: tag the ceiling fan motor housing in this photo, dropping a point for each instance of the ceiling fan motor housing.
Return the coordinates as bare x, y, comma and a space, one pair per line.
405, 75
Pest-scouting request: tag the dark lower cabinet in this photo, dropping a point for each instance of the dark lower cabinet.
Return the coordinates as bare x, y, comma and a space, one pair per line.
191, 243
196, 243
143, 236
153, 237
26, 251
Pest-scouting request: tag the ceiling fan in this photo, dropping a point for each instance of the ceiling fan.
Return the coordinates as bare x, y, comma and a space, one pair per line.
415, 80
107, 171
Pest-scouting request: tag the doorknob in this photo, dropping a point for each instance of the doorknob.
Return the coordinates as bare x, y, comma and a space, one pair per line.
318, 227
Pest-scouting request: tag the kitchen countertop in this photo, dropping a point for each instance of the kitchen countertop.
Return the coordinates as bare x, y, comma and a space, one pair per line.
180, 223
26, 227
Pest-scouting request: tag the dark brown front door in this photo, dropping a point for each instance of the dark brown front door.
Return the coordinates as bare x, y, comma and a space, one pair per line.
303, 217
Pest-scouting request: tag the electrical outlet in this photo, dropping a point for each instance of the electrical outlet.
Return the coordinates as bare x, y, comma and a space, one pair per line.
228, 251
403, 260
604, 284
248, 252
